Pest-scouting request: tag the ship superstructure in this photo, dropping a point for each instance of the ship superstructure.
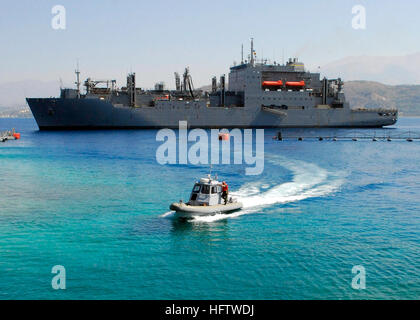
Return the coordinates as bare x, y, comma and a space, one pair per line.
257, 94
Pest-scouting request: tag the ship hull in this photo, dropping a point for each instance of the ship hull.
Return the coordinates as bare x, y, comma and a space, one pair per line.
83, 114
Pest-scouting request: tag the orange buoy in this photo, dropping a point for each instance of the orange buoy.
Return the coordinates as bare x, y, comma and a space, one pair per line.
16, 135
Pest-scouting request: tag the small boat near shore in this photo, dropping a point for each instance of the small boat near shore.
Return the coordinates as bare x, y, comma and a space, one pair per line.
9, 135
207, 198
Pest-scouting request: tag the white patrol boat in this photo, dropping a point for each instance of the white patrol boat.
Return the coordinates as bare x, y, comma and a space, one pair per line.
206, 199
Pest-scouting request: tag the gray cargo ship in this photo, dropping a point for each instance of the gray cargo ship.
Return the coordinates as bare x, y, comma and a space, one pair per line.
258, 94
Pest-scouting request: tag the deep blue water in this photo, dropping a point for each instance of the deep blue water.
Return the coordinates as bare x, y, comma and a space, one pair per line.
97, 203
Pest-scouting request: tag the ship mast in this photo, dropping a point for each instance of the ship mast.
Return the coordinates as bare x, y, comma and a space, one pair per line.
252, 51
77, 71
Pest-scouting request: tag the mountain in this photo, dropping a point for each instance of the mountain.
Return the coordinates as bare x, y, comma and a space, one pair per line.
369, 94
388, 70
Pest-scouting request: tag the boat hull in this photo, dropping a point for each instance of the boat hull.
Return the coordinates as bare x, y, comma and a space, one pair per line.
184, 210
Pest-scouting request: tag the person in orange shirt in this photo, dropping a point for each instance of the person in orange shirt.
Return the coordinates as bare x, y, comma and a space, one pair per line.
225, 191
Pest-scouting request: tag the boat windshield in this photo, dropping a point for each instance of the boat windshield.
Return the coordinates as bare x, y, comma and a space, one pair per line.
205, 189
196, 188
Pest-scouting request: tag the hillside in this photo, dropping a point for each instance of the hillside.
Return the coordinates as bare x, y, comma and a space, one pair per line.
15, 112
406, 98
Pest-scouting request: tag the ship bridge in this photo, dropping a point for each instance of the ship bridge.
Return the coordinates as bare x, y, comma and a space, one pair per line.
254, 74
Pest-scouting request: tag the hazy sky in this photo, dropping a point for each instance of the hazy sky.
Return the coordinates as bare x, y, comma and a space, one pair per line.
156, 38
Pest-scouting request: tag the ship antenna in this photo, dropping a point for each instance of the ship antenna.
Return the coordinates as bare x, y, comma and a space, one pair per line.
242, 54
252, 51
77, 71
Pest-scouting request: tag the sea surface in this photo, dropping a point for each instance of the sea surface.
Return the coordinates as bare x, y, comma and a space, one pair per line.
96, 202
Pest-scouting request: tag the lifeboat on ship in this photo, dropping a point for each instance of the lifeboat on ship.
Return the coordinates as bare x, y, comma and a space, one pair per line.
272, 85
295, 84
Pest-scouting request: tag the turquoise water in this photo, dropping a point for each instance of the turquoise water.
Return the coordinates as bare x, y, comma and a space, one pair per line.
97, 203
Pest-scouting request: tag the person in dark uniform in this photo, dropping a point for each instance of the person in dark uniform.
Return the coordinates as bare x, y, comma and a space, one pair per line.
225, 191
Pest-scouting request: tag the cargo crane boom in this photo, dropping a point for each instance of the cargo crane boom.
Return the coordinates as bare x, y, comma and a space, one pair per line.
188, 82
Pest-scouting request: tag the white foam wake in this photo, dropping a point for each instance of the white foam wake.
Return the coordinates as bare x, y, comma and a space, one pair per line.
167, 214
309, 180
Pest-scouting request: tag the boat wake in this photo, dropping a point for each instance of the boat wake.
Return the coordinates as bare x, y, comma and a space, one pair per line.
167, 214
309, 181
